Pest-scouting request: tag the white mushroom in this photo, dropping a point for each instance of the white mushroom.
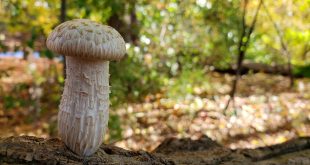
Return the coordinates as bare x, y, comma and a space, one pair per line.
84, 108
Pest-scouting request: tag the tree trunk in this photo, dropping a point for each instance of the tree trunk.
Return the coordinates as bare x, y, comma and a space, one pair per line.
62, 18
242, 47
128, 29
33, 150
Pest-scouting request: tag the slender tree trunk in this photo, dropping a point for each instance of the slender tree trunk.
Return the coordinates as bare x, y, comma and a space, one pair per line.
128, 29
283, 46
305, 52
134, 24
243, 44
62, 18
290, 68
25, 53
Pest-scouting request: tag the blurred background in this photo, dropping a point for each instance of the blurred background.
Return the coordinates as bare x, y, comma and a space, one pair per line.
237, 71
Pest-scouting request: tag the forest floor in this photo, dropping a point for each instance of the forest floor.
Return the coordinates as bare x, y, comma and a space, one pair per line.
265, 110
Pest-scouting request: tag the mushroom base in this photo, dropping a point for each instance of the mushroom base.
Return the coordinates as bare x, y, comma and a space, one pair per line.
84, 108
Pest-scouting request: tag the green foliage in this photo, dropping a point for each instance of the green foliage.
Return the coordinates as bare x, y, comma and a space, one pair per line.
189, 82
95, 10
16, 98
132, 78
115, 127
47, 53
303, 71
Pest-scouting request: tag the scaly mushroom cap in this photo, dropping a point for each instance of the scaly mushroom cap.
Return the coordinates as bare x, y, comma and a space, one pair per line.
86, 39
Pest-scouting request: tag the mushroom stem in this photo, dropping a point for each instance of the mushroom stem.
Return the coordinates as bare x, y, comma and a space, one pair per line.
84, 107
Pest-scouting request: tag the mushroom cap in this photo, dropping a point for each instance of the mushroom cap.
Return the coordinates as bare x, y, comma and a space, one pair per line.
86, 39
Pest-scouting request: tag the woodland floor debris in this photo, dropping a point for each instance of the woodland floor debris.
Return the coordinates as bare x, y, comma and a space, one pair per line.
33, 150
267, 112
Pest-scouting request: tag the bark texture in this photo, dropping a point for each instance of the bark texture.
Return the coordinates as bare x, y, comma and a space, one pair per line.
32, 150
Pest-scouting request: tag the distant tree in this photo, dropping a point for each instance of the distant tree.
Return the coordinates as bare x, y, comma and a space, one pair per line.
63, 16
